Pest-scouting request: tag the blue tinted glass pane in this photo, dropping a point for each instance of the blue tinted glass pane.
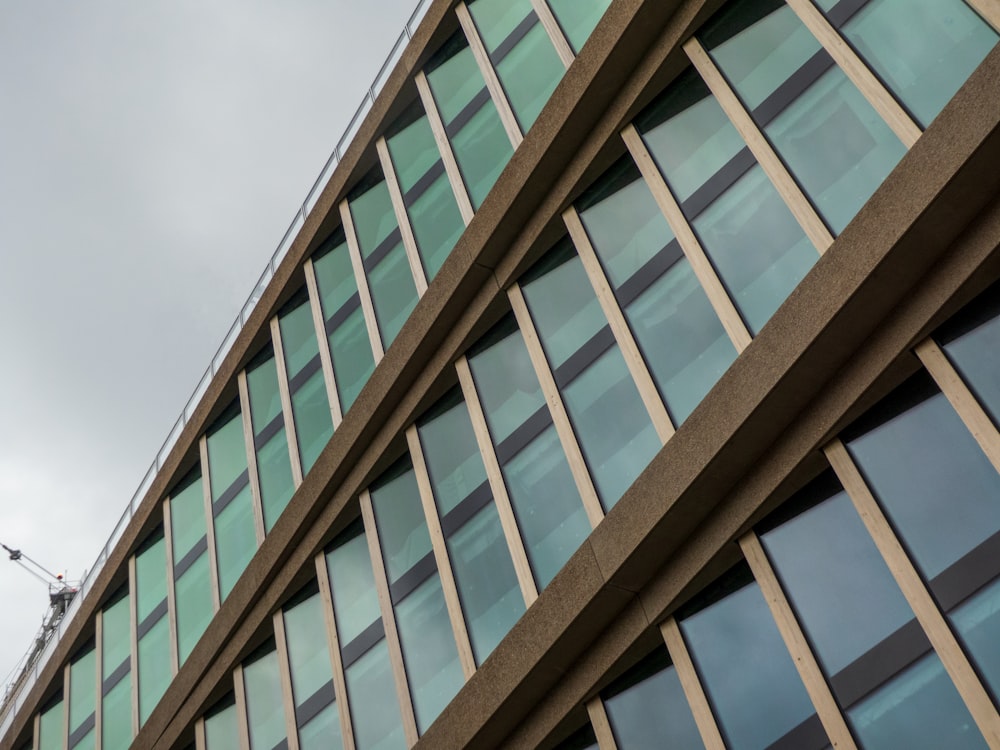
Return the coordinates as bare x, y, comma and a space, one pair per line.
402, 527
265, 715
371, 695
313, 422
394, 293
221, 732
507, 385
116, 716
235, 539
193, 604
977, 621
353, 586
578, 18
353, 361
974, 355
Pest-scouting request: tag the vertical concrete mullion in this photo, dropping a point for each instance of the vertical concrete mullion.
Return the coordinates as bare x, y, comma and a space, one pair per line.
925, 609
285, 676
989, 10
333, 644
242, 718
325, 355
213, 560
805, 660
168, 542
702, 267
441, 557
36, 730
251, 451
701, 709
199, 735
134, 646
389, 621
560, 417
402, 218
505, 509
555, 32
789, 190
497, 93
285, 394
364, 291
602, 727
636, 363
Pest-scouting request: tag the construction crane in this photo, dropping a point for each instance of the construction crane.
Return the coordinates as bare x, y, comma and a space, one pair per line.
61, 593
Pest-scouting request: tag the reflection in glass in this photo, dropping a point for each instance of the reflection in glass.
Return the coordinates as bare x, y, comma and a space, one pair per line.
371, 692
265, 714
577, 18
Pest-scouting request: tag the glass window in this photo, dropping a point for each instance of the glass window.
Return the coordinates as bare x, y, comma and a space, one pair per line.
274, 468
265, 706
227, 453
51, 728
116, 678
971, 340
749, 677
116, 713
221, 727
193, 596
353, 584
878, 661
153, 629
578, 18
192, 578
155, 671
82, 700
372, 693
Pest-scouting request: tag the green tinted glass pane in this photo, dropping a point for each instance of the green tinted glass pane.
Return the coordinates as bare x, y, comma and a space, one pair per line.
221, 730
413, 152
323, 731
116, 637
923, 50
116, 716
87, 742
274, 472
429, 652
452, 457
353, 587
150, 578
496, 19
373, 217
313, 423
187, 517
530, 73
308, 655
193, 604
298, 338
235, 539
82, 682
52, 729
394, 293
265, 714
437, 224
402, 527
335, 279
455, 82
154, 667
482, 149
265, 401
578, 18
227, 455
372, 696
507, 384
353, 361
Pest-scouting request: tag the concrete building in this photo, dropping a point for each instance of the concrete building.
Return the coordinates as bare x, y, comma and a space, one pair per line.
632, 382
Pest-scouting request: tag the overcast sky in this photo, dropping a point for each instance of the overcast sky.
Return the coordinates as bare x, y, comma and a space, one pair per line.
151, 156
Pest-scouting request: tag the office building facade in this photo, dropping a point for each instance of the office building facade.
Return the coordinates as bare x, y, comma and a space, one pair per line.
633, 382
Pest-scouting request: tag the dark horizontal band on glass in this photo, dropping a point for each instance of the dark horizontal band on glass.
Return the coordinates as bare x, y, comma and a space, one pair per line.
302, 376
844, 11
282, 745
422, 185
231, 492
879, 664
793, 87
507, 45
532, 427
650, 271
343, 313
81, 731
474, 502
360, 645
584, 357
419, 572
382, 250
469, 111
151, 619
311, 706
116, 676
717, 184
191, 556
962, 579
809, 735
271, 429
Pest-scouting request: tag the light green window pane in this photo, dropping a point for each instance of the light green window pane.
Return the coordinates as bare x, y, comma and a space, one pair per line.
150, 578
924, 50
116, 716
413, 152
117, 636
578, 18
455, 82
274, 471
373, 217
227, 455
496, 19
402, 527
154, 667
323, 731
187, 516
482, 149
51, 731
82, 682
221, 730
429, 652
371, 692
335, 279
437, 224
235, 539
308, 655
265, 707
353, 361
452, 457
394, 293
487, 584
530, 73
313, 423
353, 587
298, 338
193, 604
265, 401
87, 742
